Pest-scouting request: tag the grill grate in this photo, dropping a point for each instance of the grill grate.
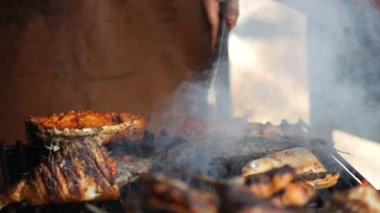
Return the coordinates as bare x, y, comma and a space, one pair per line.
16, 159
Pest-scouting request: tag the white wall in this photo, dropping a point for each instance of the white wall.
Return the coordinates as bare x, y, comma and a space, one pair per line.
268, 72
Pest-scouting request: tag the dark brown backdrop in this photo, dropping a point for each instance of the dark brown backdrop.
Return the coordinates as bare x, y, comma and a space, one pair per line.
115, 55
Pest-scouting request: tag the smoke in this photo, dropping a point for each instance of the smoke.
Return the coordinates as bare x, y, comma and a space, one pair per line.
343, 62
336, 59
343, 65
190, 117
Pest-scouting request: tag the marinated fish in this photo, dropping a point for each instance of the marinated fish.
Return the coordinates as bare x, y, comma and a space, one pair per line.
101, 126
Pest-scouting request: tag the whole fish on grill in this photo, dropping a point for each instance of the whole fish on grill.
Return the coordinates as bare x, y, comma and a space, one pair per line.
299, 158
78, 171
308, 167
102, 127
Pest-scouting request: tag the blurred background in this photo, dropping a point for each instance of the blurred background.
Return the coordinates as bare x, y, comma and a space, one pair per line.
112, 55
132, 55
318, 61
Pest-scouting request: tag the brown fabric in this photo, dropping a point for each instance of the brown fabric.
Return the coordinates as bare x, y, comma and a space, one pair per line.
112, 55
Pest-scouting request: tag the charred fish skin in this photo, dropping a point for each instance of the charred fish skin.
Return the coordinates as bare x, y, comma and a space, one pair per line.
79, 171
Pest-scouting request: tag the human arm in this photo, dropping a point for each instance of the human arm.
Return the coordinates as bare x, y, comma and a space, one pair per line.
212, 8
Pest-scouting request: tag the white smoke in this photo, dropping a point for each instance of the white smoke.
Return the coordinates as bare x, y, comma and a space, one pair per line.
343, 65
342, 53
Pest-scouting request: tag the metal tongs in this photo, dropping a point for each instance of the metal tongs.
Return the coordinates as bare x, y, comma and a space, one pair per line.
212, 93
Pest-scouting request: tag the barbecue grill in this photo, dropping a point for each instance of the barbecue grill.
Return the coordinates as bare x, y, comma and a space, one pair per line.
16, 159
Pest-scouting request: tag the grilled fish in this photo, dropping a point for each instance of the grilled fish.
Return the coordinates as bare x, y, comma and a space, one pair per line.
169, 194
79, 171
360, 199
318, 180
265, 185
307, 167
173, 195
299, 158
101, 126
278, 186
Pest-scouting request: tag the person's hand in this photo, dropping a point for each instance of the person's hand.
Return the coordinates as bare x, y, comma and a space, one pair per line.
232, 13
212, 10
